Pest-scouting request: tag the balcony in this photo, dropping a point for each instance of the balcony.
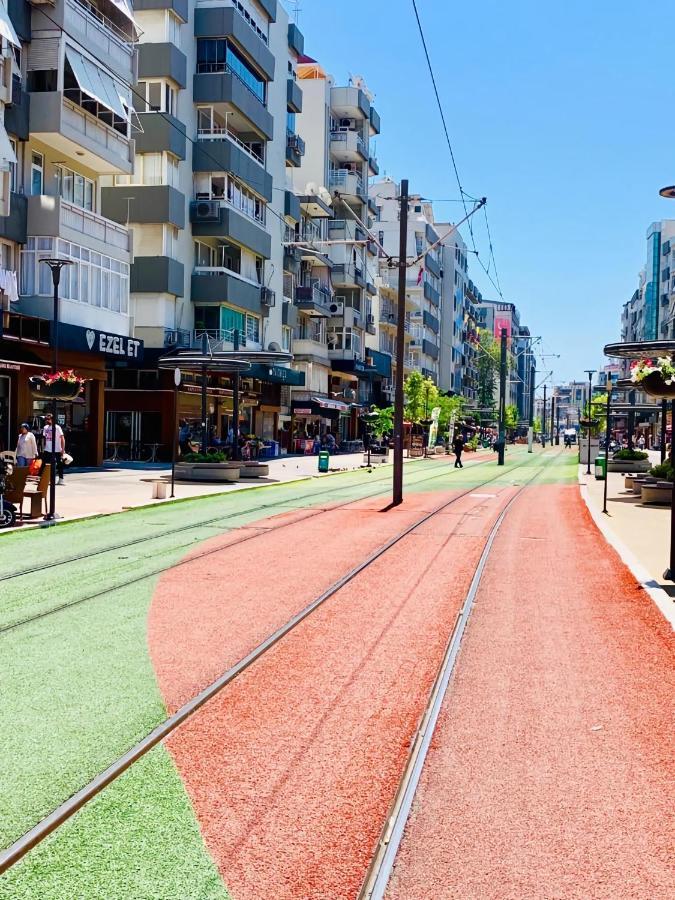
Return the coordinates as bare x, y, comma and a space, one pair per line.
228, 22
157, 275
348, 184
388, 316
177, 337
349, 103
54, 217
347, 145
218, 285
28, 329
345, 230
20, 14
295, 149
180, 7
431, 294
429, 349
17, 115
372, 206
103, 39
372, 247
292, 210
68, 129
313, 300
304, 348
348, 275
374, 121
293, 96
222, 152
231, 224
296, 40
161, 132
430, 321
373, 167
226, 87
370, 324
145, 204
432, 265
289, 314
162, 60
14, 226
371, 289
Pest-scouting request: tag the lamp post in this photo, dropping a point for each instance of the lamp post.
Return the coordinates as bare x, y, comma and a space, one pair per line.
55, 265
543, 423
609, 404
590, 373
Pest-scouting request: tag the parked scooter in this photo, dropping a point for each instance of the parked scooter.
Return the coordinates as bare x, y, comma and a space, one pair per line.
7, 509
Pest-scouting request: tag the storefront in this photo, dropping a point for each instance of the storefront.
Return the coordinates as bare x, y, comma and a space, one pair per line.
314, 416
26, 350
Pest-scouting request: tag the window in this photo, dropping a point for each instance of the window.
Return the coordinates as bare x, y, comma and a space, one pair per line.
219, 186
173, 26
37, 174
6, 256
253, 329
218, 55
172, 170
13, 165
42, 81
74, 188
155, 96
204, 255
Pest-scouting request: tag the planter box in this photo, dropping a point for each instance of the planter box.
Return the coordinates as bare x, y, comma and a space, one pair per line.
627, 465
661, 492
654, 386
639, 482
254, 470
58, 390
220, 472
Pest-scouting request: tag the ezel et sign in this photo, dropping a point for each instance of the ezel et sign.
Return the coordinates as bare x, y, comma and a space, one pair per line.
90, 340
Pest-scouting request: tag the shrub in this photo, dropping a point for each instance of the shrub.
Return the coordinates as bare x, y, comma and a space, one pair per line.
634, 455
204, 457
663, 471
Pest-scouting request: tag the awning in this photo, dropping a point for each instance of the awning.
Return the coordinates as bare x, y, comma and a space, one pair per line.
96, 83
6, 27
6, 150
276, 375
319, 406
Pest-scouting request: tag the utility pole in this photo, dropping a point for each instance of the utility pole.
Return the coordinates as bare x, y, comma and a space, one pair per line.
235, 400
557, 425
502, 400
543, 423
533, 377
664, 413
397, 493
552, 418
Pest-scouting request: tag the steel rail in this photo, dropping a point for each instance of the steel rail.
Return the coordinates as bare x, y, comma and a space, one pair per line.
257, 532
46, 826
212, 521
381, 867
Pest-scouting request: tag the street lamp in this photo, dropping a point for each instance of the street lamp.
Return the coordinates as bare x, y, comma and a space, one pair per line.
55, 265
608, 387
590, 373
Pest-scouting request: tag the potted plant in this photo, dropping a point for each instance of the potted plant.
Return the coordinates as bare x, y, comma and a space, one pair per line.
656, 378
63, 385
629, 461
207, 467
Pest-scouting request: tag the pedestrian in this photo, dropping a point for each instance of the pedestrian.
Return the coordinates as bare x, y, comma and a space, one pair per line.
568, 442
26, 447
184, 435
641, 442
54, 446
458, 447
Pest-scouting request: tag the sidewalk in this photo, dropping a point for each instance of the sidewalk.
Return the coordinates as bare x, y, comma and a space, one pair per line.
640, 534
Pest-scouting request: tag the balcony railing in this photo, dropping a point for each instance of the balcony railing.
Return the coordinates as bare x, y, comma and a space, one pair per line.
295, 142
348, 136
222, 68
92, 225
96, 19
312, 294
217, 134
217, 338
177, 337
346, 181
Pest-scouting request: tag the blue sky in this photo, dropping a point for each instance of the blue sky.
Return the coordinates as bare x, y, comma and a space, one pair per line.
561, 114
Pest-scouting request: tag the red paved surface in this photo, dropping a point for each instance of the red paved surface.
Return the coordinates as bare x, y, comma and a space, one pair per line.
292, 768
552, 770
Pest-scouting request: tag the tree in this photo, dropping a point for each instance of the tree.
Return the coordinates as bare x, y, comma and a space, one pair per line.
487, 364
384, 423
421, 396
511, 416
536, 424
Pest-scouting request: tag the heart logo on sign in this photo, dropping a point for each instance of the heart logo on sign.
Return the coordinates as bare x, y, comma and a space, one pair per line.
91, 337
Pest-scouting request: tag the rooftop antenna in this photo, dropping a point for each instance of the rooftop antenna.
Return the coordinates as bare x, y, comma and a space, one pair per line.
297, 9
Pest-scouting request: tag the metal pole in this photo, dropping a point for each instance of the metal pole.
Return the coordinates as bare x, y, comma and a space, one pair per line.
590, 388
669, 574
557, 425
235, 401
631, 420
533, 378
397, 492
664, 414
609, 403
502, 400
543, 423
553, 419
205, 350
56, 277
174, 438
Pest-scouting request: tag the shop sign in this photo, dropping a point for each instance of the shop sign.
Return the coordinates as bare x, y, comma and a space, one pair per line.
89, 340
302, 412
14, 367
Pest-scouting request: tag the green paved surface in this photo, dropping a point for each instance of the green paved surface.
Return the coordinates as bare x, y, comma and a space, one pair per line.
80, 688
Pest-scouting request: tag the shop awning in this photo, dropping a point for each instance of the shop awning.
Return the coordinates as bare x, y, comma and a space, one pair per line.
319, 406
96, 83
276, 375
6, 27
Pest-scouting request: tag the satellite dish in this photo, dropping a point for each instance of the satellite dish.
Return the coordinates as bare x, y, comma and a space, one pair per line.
274, 346
310, 188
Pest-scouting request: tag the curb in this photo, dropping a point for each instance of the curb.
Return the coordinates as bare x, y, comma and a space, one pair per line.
664, 603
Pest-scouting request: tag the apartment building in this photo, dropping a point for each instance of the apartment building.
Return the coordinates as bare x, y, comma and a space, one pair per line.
330, 265
493, 316
457, 331
69, 121
424, 278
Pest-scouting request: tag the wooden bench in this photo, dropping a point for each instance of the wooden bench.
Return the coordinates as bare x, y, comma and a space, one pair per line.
21, 486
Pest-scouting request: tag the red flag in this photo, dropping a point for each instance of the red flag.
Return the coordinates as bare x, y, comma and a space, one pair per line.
419, 276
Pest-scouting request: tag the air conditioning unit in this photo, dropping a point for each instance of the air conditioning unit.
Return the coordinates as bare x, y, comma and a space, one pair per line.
205, 211
337, 308
345, 123
267, 297
371, 319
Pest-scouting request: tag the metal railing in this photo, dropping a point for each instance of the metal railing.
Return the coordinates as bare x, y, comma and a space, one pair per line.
295, 142
341, 135
223, 68
220, 133
350, 182
92, 225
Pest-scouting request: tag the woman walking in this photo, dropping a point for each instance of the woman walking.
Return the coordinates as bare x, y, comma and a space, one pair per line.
26, 446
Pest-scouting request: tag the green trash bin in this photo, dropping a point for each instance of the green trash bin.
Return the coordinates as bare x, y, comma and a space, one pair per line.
324, 458
600, 468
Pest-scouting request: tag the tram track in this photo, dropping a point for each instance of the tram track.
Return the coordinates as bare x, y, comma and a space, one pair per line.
185, 561
379, 873
79, 799
214, 520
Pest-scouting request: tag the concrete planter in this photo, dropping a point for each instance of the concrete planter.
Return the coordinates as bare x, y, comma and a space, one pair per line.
638, 482
219, 472
661, 492
627, 465
254, 470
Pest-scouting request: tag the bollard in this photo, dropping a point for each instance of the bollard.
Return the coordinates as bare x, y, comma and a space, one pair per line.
159, 490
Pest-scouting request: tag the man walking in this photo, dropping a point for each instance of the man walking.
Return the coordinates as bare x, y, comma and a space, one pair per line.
458, 447
53, 435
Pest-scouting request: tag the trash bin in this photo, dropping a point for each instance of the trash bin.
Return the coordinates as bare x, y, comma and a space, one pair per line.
600, 468
324, 458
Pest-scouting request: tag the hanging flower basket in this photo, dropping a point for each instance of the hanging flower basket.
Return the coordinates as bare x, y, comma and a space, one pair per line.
64, 385
657, 379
